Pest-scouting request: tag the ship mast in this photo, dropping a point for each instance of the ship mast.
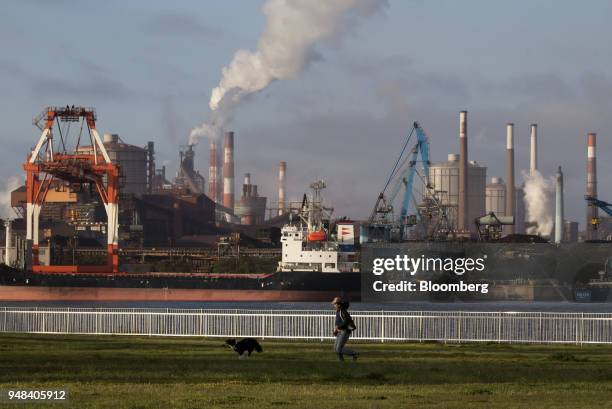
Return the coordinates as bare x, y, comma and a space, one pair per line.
313, 212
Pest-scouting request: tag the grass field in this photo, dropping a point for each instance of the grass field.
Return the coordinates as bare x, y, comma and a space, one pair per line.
145, 372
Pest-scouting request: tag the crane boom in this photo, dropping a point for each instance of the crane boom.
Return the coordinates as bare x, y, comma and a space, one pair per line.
422, 147
605, 206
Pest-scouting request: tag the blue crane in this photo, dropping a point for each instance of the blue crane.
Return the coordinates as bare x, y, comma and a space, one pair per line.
605, 206
403, 174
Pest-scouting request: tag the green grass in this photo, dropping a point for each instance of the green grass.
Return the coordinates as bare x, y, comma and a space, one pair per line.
153, 372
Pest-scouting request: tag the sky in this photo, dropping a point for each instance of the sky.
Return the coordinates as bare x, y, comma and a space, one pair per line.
148, 67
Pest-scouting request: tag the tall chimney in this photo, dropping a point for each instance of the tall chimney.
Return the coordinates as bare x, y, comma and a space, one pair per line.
462, 222
7, 244
213, 171
533, 163
228, 171
591, 188
246, 185
559, 207
510, 175
150, 151
282, 169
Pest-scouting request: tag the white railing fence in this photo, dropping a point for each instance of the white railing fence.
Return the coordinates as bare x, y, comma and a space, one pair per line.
443, 326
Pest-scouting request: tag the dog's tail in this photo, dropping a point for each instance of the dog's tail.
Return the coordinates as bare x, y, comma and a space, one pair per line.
258, 347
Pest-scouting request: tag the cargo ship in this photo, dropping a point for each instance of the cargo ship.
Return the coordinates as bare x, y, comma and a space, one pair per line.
319, 261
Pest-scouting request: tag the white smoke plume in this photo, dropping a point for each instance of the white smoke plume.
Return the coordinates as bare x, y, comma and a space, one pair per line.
284, 50
538, 191
10, 184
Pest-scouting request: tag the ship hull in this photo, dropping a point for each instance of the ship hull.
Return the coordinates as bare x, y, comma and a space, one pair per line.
284, 286
102, 294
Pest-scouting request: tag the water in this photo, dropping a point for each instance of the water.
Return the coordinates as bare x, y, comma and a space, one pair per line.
518, 306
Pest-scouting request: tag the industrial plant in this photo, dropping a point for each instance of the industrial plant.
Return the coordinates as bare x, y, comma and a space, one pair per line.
94, 211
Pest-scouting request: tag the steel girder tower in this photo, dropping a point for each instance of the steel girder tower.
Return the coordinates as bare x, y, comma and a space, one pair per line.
50, 163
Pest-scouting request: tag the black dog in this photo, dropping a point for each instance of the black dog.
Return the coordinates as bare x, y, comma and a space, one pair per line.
245, 345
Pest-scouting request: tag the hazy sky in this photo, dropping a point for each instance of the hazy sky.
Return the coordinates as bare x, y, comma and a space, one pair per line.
149, 66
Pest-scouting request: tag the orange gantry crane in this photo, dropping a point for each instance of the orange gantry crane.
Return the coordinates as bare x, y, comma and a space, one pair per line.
59, 159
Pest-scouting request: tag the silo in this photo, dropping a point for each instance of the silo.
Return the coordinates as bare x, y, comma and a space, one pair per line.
132, 161
495, 194
444, 178
570, 231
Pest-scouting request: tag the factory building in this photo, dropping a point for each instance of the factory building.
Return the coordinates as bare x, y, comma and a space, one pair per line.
444, 178
187, 178
251, 209
166, 218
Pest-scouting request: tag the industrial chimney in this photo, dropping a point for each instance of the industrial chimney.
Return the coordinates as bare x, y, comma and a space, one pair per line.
246, 185
533, 163
213, 172
282, 168
462, 220
7, 243
510, 174
559, 206
591, 188
228, 171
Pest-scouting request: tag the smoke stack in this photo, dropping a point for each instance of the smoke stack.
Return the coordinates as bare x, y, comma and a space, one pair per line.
213, 171
533, 163
462, 224
510, 174
228, 170
559, 207
7, 243
282, 169
150, 165
591, 188
246, 185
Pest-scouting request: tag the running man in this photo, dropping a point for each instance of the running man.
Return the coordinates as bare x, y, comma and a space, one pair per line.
343, 328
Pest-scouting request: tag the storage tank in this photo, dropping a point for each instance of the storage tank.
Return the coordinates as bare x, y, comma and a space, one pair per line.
132, 161
444, 178
495, 194
570, 231
251, 208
